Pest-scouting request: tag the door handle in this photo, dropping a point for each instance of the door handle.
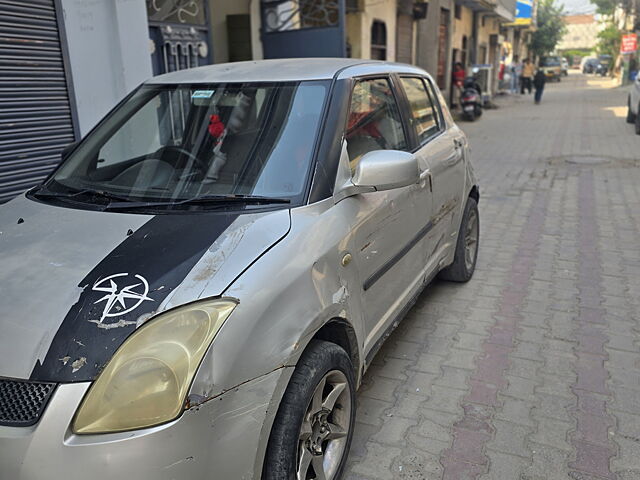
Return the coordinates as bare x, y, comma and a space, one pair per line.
426, 177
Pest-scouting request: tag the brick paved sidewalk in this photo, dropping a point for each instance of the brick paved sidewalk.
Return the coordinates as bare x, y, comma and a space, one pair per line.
531, 370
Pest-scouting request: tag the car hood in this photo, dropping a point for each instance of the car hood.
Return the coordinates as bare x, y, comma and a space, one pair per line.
74, 284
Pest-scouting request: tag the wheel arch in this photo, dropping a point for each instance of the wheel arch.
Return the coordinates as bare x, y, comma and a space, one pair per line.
475, 193
339, 331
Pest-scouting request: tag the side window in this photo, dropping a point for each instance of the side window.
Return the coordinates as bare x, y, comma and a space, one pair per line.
424, 116
439, 105
374, 120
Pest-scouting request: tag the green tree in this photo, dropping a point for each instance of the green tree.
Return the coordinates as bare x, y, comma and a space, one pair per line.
551, 28
609, 40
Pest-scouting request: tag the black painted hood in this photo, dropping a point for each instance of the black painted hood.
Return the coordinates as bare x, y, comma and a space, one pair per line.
74, 284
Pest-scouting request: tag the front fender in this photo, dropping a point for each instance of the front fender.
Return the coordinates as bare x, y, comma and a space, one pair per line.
285, 297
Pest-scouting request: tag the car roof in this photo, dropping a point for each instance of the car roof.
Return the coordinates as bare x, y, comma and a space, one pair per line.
282, 70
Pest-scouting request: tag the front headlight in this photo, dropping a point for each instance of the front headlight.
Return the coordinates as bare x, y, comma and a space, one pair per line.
147, 380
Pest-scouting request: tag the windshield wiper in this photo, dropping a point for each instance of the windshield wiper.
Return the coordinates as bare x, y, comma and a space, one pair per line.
204, 200
46, 193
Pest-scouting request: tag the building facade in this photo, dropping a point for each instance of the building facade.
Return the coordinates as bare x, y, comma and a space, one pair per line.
66, 63
582, 33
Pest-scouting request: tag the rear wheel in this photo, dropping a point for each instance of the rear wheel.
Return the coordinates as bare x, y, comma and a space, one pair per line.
464, 261
313, 428
631, 118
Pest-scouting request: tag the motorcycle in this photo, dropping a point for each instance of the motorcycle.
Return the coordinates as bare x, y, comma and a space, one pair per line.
471, 99
602, 70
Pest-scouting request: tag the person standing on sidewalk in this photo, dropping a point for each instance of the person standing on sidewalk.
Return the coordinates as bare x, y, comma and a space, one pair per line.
457, 77
538, 82
516, 73
527, 76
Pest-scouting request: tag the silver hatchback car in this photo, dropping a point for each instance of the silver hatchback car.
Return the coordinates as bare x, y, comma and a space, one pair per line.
198, 289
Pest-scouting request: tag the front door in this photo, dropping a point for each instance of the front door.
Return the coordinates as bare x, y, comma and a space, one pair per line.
303, 28
387, 221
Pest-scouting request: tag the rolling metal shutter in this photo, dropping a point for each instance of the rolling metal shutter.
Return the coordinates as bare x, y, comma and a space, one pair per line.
35, 114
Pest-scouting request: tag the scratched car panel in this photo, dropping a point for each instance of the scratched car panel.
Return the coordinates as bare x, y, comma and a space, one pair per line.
199, 287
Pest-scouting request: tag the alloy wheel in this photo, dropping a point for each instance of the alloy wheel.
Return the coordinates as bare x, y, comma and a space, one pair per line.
323, 435
471, 240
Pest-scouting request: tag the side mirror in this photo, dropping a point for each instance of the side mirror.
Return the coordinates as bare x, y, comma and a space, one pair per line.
67, 150
386, 169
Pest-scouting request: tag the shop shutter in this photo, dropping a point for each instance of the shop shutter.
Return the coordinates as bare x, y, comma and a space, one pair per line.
35, 114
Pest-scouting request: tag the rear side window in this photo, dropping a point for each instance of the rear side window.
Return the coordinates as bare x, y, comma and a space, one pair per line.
374, 120
424, 116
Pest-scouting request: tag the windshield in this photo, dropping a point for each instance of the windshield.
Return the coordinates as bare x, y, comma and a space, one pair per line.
180, 142
551, 61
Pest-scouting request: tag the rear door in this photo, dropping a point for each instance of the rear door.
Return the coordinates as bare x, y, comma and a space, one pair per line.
635, 95
424, 120
443, 154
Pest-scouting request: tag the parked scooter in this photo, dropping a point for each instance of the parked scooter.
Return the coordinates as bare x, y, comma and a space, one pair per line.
471, 99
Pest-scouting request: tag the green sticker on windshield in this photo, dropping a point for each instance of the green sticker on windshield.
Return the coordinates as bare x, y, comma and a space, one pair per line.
201, 94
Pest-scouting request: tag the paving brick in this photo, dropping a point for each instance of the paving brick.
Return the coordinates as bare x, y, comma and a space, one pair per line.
552, 432
393, 430
504, 466
371, 411
377, 462
510, 438
415, 464
530, 370
444, 399
428, 363
516, 411
461, 359
453, 378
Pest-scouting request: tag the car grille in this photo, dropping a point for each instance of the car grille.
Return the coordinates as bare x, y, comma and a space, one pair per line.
22, 402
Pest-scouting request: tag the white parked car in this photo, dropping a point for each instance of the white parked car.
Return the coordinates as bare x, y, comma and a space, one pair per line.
633, 105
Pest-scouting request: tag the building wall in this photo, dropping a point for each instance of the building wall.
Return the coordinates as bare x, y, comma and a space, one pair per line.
491, 27
359, 27
109, 53
582, 33
256, 42
463, 27
427, 41
218, 11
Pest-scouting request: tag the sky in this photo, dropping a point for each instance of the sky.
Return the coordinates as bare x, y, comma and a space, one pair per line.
577, 6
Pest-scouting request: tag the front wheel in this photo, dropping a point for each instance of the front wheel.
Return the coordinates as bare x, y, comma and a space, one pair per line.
313, 428
464, 261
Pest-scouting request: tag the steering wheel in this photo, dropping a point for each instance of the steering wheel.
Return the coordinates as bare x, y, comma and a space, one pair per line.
201, 164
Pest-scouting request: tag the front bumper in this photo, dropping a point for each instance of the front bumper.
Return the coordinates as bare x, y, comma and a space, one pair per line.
222, 438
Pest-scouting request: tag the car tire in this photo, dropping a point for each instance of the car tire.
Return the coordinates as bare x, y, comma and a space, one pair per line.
464, 261
631, 118
637, 122
298, 430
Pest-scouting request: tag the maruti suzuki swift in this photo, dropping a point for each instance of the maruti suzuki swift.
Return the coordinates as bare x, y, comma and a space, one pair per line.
198, 288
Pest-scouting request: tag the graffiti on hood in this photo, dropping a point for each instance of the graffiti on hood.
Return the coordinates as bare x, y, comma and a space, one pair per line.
123, 294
